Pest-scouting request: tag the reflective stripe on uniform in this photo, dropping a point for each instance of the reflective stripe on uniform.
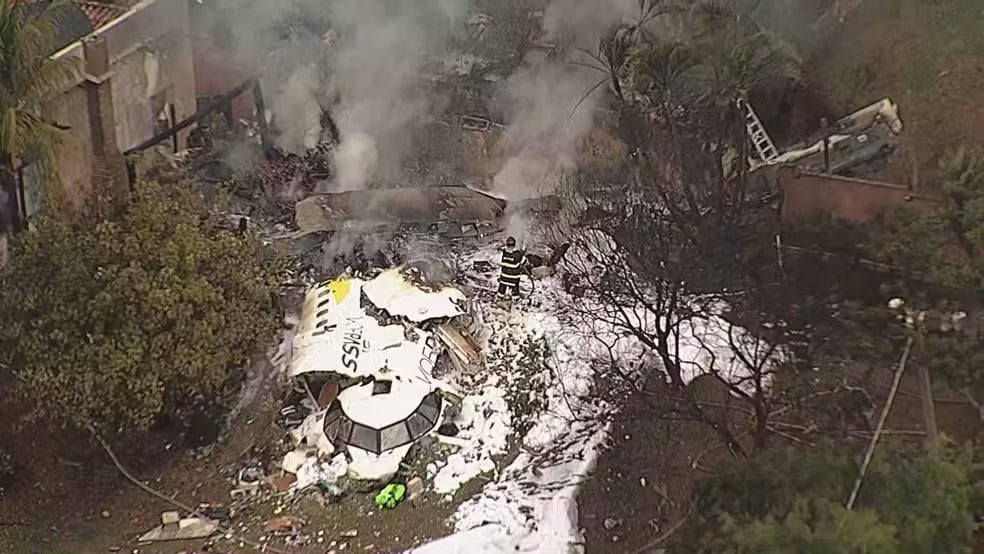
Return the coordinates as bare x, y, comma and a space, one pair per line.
509, 279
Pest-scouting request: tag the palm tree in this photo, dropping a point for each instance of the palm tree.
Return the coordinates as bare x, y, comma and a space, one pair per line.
29, 79
660, 69
614, 51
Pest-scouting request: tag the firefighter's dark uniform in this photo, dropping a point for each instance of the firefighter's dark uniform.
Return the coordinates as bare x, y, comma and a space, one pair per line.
511, 270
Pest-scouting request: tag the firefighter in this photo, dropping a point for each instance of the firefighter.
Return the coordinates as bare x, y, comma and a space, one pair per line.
512, 267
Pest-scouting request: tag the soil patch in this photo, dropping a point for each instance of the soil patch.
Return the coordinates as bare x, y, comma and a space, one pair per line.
645, 478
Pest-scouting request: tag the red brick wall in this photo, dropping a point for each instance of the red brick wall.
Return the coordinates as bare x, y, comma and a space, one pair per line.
216, 74
810, 196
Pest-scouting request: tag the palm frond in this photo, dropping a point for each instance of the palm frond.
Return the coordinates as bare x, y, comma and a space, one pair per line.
29, 79
585, 97
50, 79
665, 63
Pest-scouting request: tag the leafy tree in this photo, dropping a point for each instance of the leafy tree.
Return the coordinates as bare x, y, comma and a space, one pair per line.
133, 312
942, 246
792, 501
29, 78
819, 527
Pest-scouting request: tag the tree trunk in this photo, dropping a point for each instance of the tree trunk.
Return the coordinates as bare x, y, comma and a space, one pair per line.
761, 425
9, 213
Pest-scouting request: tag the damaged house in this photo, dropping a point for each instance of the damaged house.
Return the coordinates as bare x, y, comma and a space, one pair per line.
368, 353
136, 77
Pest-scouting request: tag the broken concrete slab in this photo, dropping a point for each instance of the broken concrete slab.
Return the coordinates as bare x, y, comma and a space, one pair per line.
415, 487
170, 518
473, 123
393, 208
186, 529
293, 460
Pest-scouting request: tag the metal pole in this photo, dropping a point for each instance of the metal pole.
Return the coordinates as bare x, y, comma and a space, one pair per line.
779, 260
174, 121
928, 404
826, 146
881, 423
261, 114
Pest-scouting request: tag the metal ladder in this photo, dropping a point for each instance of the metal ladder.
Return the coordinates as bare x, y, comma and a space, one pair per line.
764, 146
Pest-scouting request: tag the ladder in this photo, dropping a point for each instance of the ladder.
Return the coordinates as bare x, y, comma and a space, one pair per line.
764, 146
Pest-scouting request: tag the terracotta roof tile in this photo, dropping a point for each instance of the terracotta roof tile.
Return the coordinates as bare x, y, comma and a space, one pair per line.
100, 13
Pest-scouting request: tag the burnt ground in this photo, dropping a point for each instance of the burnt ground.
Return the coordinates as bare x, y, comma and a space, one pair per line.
642, 483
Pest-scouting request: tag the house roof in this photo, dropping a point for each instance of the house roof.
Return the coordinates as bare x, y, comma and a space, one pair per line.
101, 13
79, 19
71, 25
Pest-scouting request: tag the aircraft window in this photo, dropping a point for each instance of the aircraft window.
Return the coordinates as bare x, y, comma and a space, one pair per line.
430, 408
419, 426
382, 387
394, 436
344, 429
365, 438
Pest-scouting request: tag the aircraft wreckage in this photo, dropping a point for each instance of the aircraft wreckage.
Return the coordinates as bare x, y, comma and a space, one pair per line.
449, 211
367, 352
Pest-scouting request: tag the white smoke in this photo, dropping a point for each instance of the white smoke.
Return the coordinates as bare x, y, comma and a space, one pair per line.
582, 24
298, 113
543, 126
547, 107
363, 60
356, 159
546, 103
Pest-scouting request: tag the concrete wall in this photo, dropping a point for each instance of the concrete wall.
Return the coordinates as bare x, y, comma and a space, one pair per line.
159, 73
75, 154
216, 74
151, 57
813, 196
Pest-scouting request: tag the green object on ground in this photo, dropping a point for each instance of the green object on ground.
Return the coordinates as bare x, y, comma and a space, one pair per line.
391, 495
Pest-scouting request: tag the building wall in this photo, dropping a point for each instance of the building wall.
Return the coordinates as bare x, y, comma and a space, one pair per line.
145, 80
74, 154
143, 60
812, 196
216, 74
152, 61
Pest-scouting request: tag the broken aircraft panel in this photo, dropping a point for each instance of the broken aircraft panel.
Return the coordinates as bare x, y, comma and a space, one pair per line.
387, 396
395, 208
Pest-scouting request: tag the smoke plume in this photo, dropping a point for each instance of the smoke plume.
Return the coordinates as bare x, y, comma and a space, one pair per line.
361, 60
546, 104
547, 107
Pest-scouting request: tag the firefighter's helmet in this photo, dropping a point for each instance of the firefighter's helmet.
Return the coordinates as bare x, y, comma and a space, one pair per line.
510, 242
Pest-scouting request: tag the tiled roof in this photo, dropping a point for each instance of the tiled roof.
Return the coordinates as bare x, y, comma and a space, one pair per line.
100, 13
69, 26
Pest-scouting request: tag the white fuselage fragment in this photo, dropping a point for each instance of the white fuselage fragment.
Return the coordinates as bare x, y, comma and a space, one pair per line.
389, 397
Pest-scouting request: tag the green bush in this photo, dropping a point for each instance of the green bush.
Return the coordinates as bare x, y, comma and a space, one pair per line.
108, 323
793, 501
